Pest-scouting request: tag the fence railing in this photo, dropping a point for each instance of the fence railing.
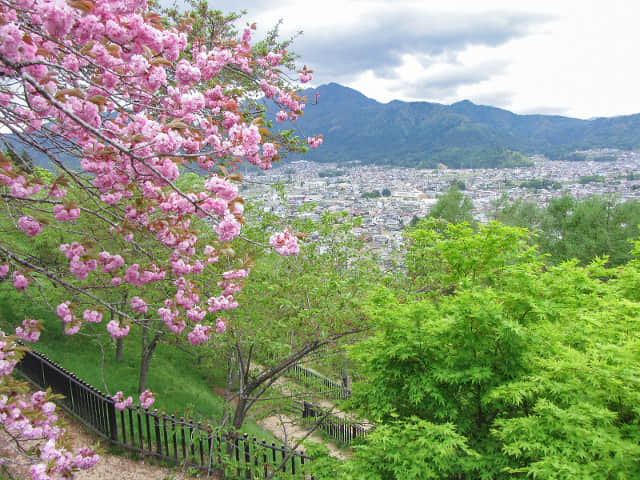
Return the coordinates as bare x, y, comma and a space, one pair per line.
338, 428
158, 434
325, 386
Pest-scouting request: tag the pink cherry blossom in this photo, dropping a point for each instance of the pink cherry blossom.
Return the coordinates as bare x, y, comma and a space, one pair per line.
63, 214
147, 399
92, 316
116, 331
30, 330
58, 18
29, 226
85, 458
314, 142
111, 83
138, 305
227, 229
282, 116
269, 150
220, 325
199, 334
284, 243
120, 402
306, 77
20, 282
221, 187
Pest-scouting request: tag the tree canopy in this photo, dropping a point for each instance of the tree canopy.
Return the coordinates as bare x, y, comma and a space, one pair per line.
522, 370
122, 99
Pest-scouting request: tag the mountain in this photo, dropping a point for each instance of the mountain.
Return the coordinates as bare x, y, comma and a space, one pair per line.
424, 135
462, 135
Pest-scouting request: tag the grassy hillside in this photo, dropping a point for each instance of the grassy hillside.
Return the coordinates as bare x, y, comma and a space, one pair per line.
182, 386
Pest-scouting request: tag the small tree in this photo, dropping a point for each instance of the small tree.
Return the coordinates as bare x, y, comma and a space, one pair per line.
325, 286
453, 206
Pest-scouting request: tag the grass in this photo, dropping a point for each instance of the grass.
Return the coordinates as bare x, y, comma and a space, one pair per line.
182, 387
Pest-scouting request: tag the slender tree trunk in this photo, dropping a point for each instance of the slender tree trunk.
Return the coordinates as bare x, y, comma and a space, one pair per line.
240, 413
231, 377
120, 341
145, 356
119, 345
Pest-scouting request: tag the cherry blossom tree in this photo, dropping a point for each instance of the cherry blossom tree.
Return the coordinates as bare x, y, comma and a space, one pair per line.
122, 100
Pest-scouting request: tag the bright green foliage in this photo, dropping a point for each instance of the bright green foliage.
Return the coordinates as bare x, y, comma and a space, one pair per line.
306, 296
413, 450
453, 206
443, 257
536, 368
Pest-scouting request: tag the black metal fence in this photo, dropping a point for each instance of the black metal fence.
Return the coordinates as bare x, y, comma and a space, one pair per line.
157, 434
324, 385
338, 428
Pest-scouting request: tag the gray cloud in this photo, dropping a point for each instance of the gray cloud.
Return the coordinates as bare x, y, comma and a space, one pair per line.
380, 40
446, 84
500, 98
252, 7
543, 110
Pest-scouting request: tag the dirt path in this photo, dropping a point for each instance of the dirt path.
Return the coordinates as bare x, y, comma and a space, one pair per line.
287, 430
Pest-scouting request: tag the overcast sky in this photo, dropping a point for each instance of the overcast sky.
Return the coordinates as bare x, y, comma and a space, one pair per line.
570, 57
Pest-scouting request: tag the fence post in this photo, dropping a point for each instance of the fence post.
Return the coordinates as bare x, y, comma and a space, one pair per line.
113, 424
156, 423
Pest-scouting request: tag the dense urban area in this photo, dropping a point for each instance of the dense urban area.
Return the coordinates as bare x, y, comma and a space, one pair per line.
360, 189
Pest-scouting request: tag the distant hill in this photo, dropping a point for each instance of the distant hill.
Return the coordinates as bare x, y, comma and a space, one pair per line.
462, 135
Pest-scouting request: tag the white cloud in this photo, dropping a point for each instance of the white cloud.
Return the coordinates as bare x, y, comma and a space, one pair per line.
573, 56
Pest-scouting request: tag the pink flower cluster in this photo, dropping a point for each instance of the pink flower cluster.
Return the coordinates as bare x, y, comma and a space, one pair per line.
222, 302
29, 226
116, 331
30, 330
77, 265
8, 356
199, 334
306, 75
110, 263
71, 323
65, 214
138, 305
20, 281
135, 276
120, 402
92, 316
285, 243
315, 142
220, 325
32, 417
147, 399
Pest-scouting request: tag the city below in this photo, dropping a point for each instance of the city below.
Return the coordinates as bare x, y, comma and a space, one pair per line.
409, 193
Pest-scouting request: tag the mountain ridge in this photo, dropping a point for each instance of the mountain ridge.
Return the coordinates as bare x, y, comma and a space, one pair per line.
460, 135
